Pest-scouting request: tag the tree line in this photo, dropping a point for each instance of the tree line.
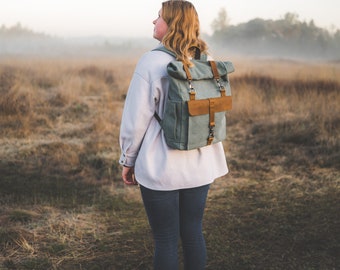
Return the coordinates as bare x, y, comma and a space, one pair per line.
286, 37
18, 30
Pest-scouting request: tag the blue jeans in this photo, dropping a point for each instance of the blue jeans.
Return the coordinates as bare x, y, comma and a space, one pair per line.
174, 214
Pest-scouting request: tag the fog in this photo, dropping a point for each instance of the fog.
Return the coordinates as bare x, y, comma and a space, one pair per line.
84, 46
247, 39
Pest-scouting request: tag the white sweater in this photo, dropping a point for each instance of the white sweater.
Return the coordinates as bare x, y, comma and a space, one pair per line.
142, 141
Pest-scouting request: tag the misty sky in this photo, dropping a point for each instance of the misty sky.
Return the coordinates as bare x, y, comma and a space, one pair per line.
134, 18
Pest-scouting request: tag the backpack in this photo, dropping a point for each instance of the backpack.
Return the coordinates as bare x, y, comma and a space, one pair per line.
197, 101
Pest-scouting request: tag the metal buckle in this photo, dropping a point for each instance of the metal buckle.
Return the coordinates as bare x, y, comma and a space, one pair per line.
220, 86
191, 88
211, 132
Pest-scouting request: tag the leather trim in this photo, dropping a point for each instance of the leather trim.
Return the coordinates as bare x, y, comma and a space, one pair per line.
202, 106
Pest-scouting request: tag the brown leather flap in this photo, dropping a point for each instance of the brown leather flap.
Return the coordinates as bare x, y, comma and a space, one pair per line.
201, 106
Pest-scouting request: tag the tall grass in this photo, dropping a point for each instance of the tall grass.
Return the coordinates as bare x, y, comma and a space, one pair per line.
63, 205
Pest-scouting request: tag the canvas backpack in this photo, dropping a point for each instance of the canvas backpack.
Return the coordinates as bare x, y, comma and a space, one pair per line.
197, 101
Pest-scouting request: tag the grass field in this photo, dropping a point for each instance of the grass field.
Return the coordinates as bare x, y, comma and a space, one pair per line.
63, 204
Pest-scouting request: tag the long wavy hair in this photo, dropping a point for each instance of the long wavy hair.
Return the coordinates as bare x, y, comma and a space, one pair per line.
183, 35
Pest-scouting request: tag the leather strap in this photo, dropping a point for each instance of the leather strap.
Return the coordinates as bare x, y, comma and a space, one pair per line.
201, 106
192, 92
214, 70
187, 72
217, 77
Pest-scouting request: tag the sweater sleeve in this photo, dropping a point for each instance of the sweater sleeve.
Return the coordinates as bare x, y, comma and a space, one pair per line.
138, 111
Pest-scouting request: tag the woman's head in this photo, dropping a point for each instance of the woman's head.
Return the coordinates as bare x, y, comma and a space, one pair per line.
182, 31
160, 28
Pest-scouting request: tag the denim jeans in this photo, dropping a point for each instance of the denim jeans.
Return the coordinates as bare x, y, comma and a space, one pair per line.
173, 215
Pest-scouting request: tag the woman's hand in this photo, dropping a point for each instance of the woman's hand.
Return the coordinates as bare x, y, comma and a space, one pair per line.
128, 175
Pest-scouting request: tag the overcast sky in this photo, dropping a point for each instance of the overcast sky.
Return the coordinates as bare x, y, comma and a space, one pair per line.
134, 18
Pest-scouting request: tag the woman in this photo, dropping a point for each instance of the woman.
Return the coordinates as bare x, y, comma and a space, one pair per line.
173, 183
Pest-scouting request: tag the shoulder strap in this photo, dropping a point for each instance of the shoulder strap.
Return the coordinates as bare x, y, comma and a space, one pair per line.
198, 55
158, 118
163, 49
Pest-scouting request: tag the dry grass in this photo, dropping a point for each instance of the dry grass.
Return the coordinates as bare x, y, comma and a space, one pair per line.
63, 205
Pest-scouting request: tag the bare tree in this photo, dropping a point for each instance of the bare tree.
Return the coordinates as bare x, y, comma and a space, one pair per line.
221, 22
